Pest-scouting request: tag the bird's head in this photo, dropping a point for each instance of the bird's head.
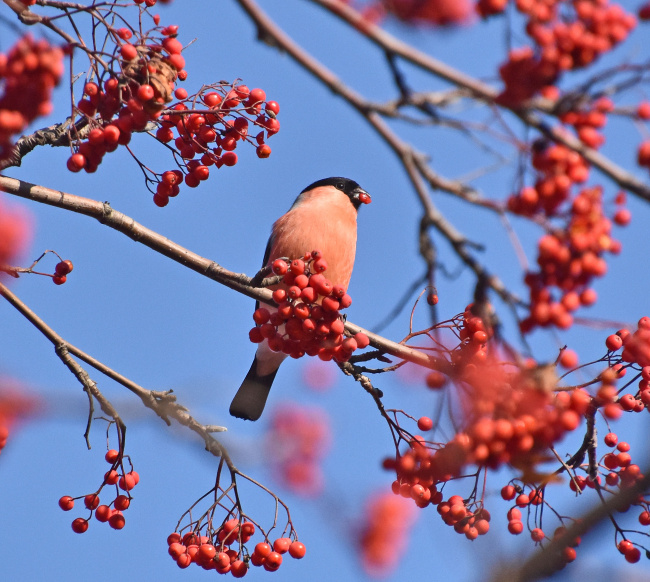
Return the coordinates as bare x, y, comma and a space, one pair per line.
350, 188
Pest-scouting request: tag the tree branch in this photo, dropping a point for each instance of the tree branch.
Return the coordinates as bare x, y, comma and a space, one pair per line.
241, 283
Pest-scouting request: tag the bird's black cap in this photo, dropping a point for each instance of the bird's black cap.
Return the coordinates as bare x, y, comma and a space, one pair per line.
345, 185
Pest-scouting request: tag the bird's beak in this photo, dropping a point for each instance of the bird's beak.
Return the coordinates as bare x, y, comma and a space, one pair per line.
362, 196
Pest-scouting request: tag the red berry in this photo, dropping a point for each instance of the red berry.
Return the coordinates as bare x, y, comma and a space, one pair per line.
432, 298
79, 525
91, 501
116, 520
614, 342
63, 268
128, 51
522, 500
255, 96
102, 513
435, 380
111, 456
643, 110
633, 555
537, 535
172, 45
263, 549
145, 92
425, 423
111, 134
76, 162
59, 280
126, 482
611, 439
122, 502
272, 107
238, 569
111, 477
568, 359
66, 503
362, 340
184, 561
644, 518
508, 492
281, 545
229, 158
297, 550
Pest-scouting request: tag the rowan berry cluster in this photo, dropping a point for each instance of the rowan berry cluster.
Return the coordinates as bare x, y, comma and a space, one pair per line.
512, 413
28, 74
212, 550
387, 523
636, 346
509, 417
128, 98
61, 271
569, 259
589, 120
473, 334
128, 91
558, 168
424, 12
206, 129
516, 525
307, 319
570, 40
122, 480
300, 439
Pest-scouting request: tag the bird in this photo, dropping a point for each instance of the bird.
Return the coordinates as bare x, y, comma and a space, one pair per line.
324, 218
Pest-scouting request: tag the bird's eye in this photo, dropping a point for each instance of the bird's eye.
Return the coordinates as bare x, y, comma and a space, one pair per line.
340, 186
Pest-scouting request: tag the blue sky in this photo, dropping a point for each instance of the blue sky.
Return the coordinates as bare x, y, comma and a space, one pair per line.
166, 327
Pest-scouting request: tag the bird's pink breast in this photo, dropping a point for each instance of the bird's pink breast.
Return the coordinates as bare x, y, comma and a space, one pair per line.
325, 220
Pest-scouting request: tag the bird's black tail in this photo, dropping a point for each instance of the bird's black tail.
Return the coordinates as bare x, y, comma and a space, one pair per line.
251, 397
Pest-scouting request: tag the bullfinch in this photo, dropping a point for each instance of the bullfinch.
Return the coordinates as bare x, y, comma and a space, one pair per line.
323, 218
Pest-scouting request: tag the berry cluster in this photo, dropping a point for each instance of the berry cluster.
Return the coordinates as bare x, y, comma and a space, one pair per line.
307, 319
516, 525
300, 438
208, 137
465, 521
213, 551
426, 12
588, 121
123, 480
509, 418
512, 413
28, 73
473, 334
61, 272
636, 346
558, 168
127, 99
565, 42
128, 91
569, 259
385, 532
